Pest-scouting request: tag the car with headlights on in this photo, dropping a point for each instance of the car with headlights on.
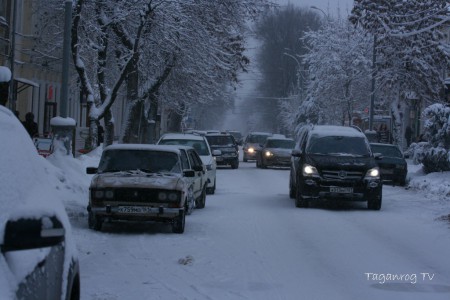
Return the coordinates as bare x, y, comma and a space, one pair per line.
229, 149
136, 182
38, 255
200, 144
276, 152
334, 163
253, 143
392, 163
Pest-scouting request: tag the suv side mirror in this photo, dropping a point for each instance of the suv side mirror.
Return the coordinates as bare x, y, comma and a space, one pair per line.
91, 170
25, 234
296, 153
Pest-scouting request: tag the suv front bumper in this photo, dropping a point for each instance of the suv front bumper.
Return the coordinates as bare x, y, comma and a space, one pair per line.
315, 188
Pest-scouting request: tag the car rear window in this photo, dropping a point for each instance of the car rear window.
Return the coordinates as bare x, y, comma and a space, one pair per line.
199, 145
220, 140
338, 145
147, 161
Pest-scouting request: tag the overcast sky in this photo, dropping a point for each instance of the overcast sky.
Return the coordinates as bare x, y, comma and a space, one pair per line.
330, 6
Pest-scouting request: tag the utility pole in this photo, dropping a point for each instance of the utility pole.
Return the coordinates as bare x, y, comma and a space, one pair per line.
12, 91
372, 90
66, 59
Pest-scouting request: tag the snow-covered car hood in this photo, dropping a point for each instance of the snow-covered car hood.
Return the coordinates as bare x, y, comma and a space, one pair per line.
341, 162
29, 188
169, 181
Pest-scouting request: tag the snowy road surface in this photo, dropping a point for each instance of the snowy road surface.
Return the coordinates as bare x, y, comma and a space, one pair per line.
251, 242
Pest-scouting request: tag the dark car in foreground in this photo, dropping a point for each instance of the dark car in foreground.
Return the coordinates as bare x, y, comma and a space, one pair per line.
226, 144
276, 152
38, 256
136, 182
334, 163
392, 163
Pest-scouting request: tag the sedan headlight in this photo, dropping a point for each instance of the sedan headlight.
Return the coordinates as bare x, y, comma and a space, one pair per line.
168, 196
251, 150
373, 173
268, 153
101, 194
309, 170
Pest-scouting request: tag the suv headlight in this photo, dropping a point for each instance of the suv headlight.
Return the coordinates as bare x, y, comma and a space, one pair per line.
373, 173
309, 170
268, 153
251, 150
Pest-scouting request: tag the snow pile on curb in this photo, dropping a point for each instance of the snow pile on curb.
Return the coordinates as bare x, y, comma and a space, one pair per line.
436, 183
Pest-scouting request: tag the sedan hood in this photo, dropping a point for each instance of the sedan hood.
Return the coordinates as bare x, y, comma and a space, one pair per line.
143, 180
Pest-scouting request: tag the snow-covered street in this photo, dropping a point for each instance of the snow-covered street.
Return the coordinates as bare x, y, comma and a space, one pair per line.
251, 242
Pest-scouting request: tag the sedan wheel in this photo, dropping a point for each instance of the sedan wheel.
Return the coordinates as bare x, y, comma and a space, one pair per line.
202, 200
179, 223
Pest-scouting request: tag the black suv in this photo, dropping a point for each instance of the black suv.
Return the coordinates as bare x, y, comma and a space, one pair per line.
334, 162
229, 150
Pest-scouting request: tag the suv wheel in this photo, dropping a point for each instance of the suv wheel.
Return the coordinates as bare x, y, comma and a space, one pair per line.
94, 222
374, 202
235, 164
179, 222
300, 201
211, 190
292, 190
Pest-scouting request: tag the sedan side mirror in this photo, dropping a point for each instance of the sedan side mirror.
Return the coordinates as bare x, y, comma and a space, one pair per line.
189, 173
25, 234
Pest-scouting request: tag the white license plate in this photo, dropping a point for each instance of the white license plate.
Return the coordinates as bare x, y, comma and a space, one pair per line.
134, 209
344, 190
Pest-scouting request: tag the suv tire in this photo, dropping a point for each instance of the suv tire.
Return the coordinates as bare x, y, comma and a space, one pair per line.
374, 202
300, 201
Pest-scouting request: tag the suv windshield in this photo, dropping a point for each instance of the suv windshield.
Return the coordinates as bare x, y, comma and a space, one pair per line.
337, 145
199, 145
147, 161
284, 144
224, 140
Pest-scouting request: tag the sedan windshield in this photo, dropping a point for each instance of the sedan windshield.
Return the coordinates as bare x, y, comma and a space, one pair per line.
144, 160
226, 140
283, 144
338, 145
387, 151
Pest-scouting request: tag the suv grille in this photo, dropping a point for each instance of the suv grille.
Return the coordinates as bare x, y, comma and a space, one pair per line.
342, 175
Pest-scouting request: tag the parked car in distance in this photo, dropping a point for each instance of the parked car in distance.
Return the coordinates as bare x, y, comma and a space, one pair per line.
237, 136
229, 149
38, 256
392, 163
200, 144
253, 143
136, 182
276, 152
334, 163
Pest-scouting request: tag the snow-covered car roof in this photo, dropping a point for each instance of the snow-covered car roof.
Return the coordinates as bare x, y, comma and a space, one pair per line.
147, 147
182, 136
335, 130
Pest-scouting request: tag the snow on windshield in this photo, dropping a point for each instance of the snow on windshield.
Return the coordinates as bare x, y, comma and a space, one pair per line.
149, 161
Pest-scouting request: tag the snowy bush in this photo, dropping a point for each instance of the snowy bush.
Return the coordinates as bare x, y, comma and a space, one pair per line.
436, 156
